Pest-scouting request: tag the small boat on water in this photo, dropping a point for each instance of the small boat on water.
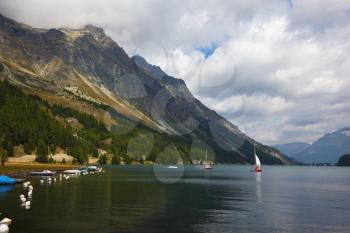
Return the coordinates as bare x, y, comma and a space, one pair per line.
43, 173
5, 180
84, 171
257, 162
72, 172
172, 167
206, 164
92, 169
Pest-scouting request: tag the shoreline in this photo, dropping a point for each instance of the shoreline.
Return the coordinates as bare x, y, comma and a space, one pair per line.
23, 169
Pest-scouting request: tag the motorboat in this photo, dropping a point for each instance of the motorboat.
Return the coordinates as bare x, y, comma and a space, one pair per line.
43, 173
5, 180
72, 172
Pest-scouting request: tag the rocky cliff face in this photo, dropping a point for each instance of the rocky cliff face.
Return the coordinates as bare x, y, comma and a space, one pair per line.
59, 64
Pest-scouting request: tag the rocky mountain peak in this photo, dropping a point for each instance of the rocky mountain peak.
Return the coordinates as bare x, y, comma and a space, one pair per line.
88, 59
97, 32
151, 70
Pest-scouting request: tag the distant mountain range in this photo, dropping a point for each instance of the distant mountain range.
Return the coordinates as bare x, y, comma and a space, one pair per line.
291, 149
327, 149
86, 70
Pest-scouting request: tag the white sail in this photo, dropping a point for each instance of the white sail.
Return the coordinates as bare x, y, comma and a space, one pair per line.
257, 161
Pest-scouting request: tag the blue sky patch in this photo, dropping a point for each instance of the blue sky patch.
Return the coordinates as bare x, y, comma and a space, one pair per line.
208, 50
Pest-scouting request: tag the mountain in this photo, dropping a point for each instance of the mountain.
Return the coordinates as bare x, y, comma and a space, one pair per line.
84, 69
327, 149
290, 149
344, 161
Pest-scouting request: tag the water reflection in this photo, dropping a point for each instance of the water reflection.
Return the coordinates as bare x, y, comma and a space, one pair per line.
258, 187
226, 199
6, 188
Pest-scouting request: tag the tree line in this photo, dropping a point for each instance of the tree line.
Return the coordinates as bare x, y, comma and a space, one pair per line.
28, 121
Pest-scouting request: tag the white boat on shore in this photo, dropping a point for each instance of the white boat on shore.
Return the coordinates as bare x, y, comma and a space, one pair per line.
72, 172
43, 173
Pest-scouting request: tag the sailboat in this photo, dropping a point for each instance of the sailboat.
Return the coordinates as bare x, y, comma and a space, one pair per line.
206, 163
257, 162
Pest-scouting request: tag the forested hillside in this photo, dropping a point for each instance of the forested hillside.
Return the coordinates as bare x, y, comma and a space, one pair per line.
28, 121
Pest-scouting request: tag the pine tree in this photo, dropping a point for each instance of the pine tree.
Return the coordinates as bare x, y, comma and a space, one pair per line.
3, 157
78, 153
7, 145
41, 154
102, 160
27, 148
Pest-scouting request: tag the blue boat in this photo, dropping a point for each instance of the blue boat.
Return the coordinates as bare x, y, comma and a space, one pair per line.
5, 180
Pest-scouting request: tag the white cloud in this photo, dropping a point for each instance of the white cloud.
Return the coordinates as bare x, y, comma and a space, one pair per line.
280, 71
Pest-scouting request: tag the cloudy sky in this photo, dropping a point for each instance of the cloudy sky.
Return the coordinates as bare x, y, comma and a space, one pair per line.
277, 69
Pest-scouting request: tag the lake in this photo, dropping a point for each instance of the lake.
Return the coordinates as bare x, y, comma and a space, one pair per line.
159, 199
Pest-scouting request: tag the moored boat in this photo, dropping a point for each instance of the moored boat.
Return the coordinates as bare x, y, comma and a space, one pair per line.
92, 168
5, 180
43, 173
72, 171
84, 171
207, 165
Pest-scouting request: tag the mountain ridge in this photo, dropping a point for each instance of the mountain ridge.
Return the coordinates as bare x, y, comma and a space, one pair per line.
64, 64
327, 149
291, 149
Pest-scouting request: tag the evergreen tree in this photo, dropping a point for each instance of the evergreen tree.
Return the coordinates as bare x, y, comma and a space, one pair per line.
78, 153
27, 148
41, 153
102, 160
3, 156
7, 145
74, 161
95, 152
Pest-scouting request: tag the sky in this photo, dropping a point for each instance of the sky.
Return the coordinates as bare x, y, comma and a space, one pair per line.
278, 69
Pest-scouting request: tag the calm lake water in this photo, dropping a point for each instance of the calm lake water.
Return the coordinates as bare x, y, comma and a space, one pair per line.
225, 199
